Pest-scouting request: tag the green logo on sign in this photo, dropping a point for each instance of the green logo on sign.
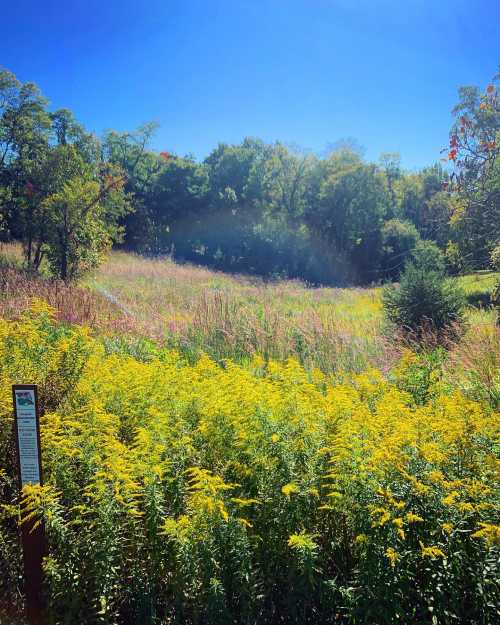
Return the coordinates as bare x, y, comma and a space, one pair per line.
24, 398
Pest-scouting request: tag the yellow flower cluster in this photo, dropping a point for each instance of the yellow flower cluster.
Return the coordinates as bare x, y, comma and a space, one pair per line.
173, 465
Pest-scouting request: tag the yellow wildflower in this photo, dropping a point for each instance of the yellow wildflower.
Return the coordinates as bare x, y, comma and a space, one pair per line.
413, 518
490, 533
431, 552
289, 488
303, 541
392, 555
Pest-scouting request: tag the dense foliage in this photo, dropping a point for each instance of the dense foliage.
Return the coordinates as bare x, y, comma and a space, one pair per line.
251, 207
249, 494
265, 209
59, 193
475, 152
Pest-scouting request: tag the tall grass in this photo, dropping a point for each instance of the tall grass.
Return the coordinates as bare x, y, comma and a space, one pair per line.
474, 364
197, 310
73, 304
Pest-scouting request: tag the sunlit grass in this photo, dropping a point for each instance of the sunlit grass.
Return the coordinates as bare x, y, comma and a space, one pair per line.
200, 310
11, 253
197, 310
480, 281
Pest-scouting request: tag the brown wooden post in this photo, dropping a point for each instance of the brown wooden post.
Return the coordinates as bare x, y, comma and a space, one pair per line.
29, 464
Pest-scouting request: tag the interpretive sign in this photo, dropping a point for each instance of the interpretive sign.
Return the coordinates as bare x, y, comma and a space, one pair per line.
27, 435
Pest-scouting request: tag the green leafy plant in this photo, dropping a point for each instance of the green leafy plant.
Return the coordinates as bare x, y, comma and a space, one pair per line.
427, 255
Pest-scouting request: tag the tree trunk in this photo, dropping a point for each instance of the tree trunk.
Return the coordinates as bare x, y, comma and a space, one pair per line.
37, 261
64, 263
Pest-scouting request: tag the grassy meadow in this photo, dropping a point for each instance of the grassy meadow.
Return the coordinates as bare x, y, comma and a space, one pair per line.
219, 449
199, 311
267, 369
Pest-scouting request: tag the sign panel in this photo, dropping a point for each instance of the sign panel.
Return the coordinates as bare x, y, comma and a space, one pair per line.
28, 437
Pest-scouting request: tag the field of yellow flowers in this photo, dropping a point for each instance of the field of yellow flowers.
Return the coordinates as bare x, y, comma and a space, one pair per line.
182, 490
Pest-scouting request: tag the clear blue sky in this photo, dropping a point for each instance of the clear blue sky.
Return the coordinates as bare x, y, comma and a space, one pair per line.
310, 72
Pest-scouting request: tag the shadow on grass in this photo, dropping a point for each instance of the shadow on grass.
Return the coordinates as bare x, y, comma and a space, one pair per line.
479, 299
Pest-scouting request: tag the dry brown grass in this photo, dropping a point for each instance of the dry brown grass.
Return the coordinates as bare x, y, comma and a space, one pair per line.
474, 363
73, 304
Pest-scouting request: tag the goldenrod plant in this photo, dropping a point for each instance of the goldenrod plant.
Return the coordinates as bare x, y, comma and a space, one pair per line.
260, 492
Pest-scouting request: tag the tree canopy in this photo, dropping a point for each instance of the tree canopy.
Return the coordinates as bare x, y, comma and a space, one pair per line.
253, 207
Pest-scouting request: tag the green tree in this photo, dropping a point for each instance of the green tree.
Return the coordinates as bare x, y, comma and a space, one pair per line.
474, 150
178, 205
25, 128
285, 182
399, 239
81, 217
45, 177
439, 209
238, 168
426, 255
142, 169
349, 210
416, 201
424, 300
390, 164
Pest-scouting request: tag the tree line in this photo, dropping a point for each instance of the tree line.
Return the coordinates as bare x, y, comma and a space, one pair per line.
253, 207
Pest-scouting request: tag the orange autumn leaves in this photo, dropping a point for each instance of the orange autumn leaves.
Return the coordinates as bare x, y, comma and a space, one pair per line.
467, 133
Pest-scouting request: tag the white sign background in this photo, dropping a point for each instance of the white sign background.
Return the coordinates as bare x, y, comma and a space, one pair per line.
27, 436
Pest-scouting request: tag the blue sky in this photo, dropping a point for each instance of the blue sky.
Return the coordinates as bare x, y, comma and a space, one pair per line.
309, 72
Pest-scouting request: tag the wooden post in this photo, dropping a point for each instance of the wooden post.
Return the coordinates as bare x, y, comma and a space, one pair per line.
27, 434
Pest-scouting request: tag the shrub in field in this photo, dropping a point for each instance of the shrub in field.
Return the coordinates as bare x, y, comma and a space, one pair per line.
198, 493
424, 299
427, 256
